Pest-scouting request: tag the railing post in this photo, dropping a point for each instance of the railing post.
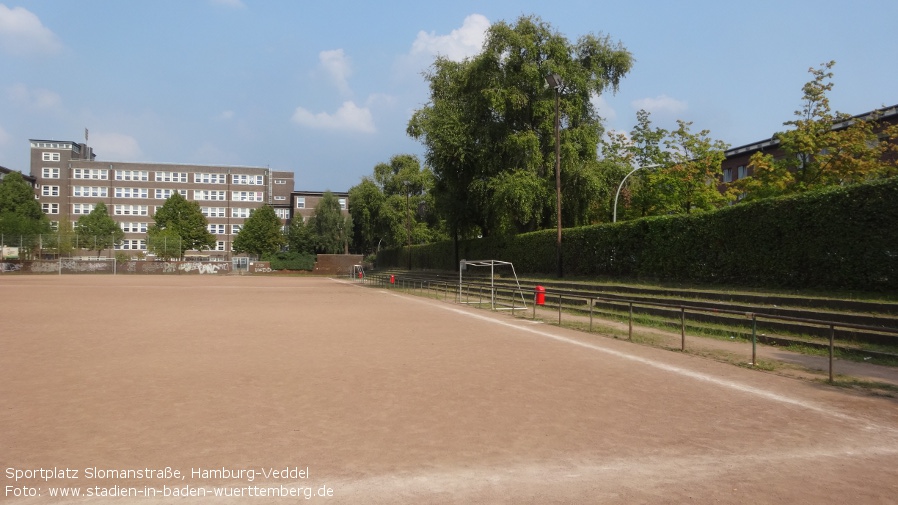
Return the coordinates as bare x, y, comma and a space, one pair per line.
559, 309
590, 315
682, 328
754, 340
832, 338
630, 334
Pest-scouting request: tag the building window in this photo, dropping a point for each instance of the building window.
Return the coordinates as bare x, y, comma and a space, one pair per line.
49, 190
210, 178
50, 156
235, 228
741, 172
90, 191
132, 193
90, 173
213, 211
50, 208
280, 198
342, 203
171, 176
280, 181
132, 175
209, 195
240, 212
216, 229
133, 245
248, 180
247, 196
220, 245
164, 194
282, 213
82, 208
54, 225
300, 202
134, 227
50, 173
131, 210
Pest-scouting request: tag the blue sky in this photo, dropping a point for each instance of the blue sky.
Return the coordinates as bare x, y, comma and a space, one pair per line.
325, 89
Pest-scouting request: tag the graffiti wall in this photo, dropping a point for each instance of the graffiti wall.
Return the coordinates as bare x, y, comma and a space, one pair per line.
70, 266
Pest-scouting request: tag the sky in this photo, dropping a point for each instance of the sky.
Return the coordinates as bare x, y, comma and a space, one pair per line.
326, 89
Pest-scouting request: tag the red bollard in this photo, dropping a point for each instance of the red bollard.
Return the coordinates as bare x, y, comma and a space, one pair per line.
392, 279
539, 295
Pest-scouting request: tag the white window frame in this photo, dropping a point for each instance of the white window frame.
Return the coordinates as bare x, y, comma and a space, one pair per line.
49, 173
48, 156
97, 174
300, 202
210, 178
132, 175
49, 190
50, 208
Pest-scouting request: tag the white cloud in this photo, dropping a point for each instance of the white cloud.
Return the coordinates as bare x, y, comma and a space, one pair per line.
660, 104
226, 115
337, 66
33, 98
349, 117
115, 146
22, 33
459, 44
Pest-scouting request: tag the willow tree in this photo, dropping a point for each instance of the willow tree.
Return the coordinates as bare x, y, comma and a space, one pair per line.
489, 128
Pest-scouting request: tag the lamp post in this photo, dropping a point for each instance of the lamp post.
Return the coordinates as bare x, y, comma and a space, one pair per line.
614, 217
555, 82
408, 224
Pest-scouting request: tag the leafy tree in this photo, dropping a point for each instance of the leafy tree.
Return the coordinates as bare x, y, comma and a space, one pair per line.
21, 217
681, 169
489, 133
823, 148
98, 231
332, 229
261, 233
365, 202
164, 243
179, 219
301, 236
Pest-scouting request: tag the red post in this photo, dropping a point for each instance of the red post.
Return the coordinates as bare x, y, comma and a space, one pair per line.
540, 295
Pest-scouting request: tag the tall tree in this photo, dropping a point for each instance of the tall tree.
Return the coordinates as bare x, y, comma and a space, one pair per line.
301, 236
21, 217
823, 148
261, 233
182, 219
332, 228
489, 129
98, 231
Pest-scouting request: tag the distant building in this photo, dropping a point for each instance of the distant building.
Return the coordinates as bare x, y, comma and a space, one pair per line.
69, 182
4, 171
304, 203
736, 164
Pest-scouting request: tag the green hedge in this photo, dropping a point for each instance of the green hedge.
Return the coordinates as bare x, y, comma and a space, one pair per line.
843, 238
291, 261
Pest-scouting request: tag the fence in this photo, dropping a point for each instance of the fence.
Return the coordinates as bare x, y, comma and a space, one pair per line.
462, 292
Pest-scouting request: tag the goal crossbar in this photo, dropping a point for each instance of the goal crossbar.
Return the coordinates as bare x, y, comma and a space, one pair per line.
492, 264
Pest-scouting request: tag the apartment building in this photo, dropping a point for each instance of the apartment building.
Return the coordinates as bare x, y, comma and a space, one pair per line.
69, 182
304, 203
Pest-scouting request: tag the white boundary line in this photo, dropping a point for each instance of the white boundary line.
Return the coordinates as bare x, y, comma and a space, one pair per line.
736, 386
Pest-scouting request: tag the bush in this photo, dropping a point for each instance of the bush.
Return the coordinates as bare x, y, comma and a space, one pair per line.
286, 260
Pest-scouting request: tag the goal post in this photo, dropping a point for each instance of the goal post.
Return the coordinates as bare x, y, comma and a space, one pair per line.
492, 265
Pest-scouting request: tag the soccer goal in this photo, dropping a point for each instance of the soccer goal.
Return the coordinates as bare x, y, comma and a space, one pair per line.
495, 302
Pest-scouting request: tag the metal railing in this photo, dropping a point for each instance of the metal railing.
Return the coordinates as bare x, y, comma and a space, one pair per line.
485, 292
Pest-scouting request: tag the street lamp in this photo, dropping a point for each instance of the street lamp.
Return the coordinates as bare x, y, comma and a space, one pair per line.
408, 224
554, 81
614, 217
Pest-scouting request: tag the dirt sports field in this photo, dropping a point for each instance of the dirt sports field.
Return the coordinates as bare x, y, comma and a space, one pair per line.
241, 389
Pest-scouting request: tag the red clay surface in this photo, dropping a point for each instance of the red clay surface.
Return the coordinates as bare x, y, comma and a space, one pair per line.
389, 398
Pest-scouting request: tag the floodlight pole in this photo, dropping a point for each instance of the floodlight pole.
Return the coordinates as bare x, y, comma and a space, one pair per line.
554, 81
621, 185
